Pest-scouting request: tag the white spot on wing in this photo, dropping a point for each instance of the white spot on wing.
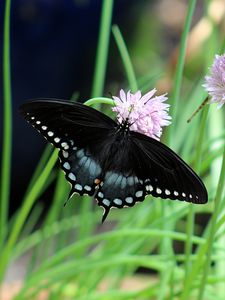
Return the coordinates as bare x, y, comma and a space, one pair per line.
129, 199
117, 201
65, 145
65, 154
57, 140
106, 202
87, 188
78, 187
72, 176
139, 194
50, 133
167, 192
66, 165
158, 191
149, 188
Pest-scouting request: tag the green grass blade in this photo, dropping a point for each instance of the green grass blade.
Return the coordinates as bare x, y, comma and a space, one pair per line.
218, 199
132, 81
42, 162
180, 66
23, 213
175, 96
99, 100
103, 49
7, 126
191, 213
98, 87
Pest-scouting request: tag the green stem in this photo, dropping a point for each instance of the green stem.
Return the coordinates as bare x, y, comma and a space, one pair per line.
23, 213
125, 58
87, 225
180, 67
165, 247
40, 166
7, 126
191, 213
218, 199
59, 194
102, 51
178, 80
206, 249
99, 100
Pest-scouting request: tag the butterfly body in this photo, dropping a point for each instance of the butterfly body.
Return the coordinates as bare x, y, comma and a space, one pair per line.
107, 160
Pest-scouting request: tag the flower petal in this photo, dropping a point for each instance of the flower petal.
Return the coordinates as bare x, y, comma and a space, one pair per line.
145, 114
122, 96
147, 96
215, 82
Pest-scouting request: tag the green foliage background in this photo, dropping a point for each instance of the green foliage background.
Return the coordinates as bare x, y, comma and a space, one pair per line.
71, 252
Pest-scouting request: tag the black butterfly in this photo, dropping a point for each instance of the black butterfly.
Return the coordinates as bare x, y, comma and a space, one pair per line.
108, 160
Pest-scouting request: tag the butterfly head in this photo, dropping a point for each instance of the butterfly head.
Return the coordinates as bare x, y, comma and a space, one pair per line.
124, 126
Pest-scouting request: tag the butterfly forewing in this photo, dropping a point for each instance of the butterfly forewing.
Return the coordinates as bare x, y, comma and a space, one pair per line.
57, 118
76, 130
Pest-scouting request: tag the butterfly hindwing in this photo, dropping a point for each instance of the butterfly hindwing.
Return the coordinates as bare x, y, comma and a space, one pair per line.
81, 169
164, 173
119, 190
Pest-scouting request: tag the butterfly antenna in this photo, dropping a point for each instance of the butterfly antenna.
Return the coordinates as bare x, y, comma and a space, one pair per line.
105, 214
198, 109
110, 94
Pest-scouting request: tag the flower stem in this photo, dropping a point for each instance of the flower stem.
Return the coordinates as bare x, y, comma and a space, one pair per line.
218, 199
178, 80
87, 225
191, 213
206, 249
180, 66
98, 100
23, 213
7, 125
102, 50
125, 58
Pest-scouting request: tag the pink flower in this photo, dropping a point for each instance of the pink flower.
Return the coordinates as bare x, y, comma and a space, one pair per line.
145, 114
215, 82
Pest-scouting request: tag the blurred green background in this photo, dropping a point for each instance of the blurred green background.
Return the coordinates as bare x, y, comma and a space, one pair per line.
158, 249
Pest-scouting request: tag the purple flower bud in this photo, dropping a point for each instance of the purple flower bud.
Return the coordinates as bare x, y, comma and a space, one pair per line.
215, 82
